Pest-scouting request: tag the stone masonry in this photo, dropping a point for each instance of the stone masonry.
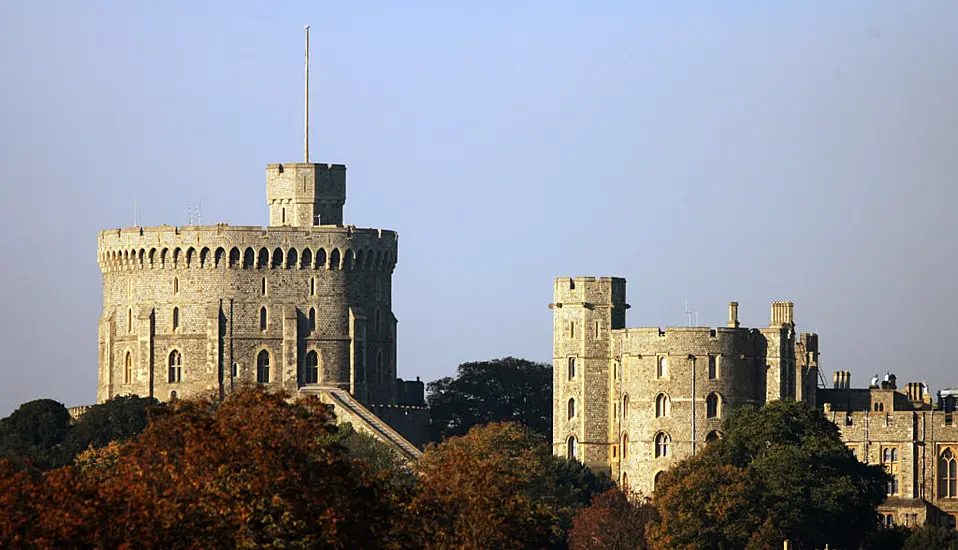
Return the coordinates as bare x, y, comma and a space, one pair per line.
302, 305
632, 402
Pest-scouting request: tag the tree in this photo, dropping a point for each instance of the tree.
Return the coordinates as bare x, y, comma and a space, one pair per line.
932, 537
496, 487
252, 471
782, 472
611, 522
35, 432
118, 419
501, 390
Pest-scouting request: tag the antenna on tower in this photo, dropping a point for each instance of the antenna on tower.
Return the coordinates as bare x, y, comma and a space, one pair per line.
135, 224
199, 212
688, 312
306, 113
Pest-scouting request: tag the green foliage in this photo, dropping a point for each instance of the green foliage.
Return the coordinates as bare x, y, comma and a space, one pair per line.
35, 432
118, 419
930, 537
782, 472
501, 390
376, 456
886, 539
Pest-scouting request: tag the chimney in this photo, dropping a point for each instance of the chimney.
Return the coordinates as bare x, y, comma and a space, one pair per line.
733, 314
782, 314
835, 377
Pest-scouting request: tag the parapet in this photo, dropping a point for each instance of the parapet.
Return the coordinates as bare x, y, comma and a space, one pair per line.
589, 290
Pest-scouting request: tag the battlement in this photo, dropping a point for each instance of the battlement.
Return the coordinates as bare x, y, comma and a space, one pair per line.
589, 290
305, 193
224, 246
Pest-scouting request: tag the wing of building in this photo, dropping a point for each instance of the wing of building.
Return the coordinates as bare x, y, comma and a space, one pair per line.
633, 401
303, 305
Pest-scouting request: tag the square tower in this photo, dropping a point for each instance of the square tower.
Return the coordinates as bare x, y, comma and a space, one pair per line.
304, 193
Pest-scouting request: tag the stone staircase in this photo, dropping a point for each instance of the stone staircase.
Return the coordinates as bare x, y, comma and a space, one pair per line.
348, 409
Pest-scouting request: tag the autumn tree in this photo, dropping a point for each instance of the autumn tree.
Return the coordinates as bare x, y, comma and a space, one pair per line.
611, 522
252, 471
501, 390
782, 472
497, 487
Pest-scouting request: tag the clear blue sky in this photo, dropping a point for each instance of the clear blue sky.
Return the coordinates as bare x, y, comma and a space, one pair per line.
744, 151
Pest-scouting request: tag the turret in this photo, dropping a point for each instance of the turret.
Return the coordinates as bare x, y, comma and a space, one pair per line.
303, 194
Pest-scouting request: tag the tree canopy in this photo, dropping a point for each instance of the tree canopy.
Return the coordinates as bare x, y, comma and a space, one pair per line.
782, 472
500, 390
611, 522
35, 432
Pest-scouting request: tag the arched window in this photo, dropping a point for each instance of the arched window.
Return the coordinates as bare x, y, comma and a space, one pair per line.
625, 407
948, 475
173, 395
312, 286
176, 319
656, 480
312, 319
625, 446
262, 367
176, 367
625, 483
889, 459
571, 408
662, 367
571, 368
262, 318
662, 442
128, 368
663, 405
713, 405
713, 436
312, 368
571, 451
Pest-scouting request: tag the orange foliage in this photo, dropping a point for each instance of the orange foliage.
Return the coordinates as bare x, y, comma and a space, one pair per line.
249, 472
611, 522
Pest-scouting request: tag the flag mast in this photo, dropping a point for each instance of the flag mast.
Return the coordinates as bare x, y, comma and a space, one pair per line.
306, 114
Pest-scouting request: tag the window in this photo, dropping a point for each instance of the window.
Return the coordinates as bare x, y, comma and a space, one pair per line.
888, 521
948, 419
662, 442
713, 367
176, 367
596, 329
262, 367
129, 320
571, 408
663, 405
571, 448
656, 480
879, 407
713, 436
625, 446
312, 286
128, 368
262, 318
312, 319
849, 419
854, 451
284, 216
176, 286
713, 405
312, 368
625, 408
662, 367
625, 483
571, 329
263, 289
176, 319
615, 369
889, 459
947, 475
571, 368
234, 371
173, 395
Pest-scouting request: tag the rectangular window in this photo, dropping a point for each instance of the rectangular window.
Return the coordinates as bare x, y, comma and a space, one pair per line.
596, 329
949, 420
713, 367
571, 329
571, 368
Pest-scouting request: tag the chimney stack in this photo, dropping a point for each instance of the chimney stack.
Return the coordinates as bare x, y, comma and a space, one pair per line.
733, 314
782, 314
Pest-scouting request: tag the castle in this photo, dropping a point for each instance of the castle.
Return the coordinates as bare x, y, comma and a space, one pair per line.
302, 306
633, 401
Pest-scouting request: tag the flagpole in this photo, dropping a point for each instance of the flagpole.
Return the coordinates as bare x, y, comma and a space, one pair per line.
306, 114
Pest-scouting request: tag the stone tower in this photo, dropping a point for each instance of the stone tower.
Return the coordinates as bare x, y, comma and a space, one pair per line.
304, 194
585, 312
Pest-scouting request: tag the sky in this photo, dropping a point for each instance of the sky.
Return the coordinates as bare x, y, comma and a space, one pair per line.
706, 152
